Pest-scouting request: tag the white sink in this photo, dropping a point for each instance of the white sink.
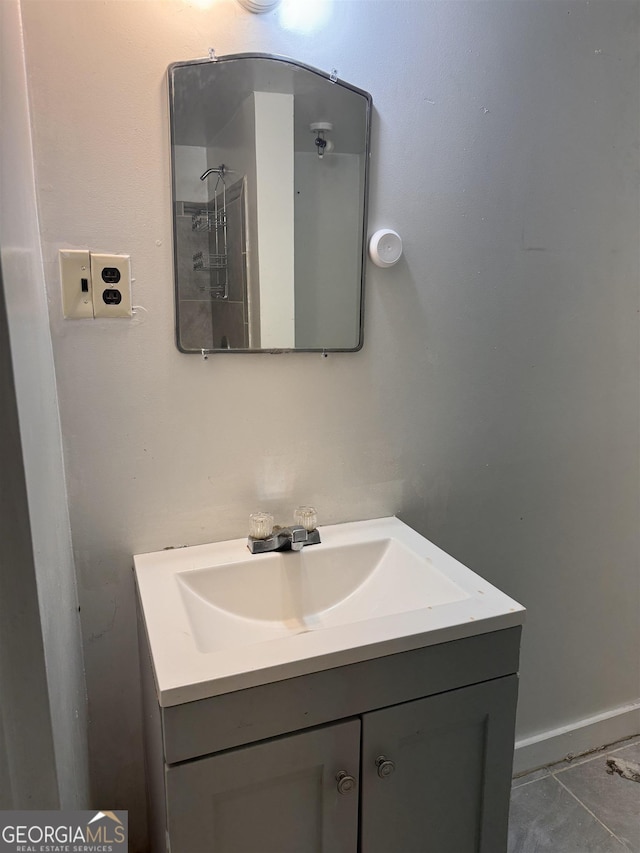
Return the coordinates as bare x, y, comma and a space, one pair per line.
220, 619
275, 595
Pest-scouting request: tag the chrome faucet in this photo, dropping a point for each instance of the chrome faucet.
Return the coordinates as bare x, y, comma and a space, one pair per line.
264, 536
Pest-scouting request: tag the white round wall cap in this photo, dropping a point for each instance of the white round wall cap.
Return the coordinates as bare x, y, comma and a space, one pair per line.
385, 247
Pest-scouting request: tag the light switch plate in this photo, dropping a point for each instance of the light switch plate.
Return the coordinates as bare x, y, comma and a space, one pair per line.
111, 279
75, 273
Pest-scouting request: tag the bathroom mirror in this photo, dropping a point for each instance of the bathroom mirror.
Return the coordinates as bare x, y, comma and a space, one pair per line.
269, 163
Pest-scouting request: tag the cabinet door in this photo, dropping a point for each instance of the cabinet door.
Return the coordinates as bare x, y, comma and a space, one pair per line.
447, 789
279, 796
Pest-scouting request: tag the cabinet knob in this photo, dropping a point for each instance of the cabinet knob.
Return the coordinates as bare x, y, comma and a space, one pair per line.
385, 766
346, 783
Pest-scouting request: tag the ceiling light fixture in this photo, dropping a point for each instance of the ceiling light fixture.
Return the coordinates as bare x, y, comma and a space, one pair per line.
321, 129
259, 6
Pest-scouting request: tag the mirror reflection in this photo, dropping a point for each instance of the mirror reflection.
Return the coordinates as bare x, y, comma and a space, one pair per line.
270, 161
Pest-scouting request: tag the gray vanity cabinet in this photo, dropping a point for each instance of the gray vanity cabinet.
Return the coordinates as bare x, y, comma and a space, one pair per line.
279, 796
436, 773
426, 736
435, 777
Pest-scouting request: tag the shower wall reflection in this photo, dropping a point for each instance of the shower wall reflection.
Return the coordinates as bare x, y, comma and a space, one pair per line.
212, 294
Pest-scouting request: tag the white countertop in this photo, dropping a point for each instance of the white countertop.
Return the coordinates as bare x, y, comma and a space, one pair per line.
188, 665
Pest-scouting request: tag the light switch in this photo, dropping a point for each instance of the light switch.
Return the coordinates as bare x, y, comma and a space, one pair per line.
75, 279
111, 285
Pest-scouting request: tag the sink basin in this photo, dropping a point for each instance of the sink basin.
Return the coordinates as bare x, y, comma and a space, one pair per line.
220, 619
273, 595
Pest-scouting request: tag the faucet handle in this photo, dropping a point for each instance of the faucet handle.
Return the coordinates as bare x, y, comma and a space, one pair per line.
260, 525
307, 517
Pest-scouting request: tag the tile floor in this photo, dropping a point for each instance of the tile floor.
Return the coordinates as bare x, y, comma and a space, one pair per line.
577, 807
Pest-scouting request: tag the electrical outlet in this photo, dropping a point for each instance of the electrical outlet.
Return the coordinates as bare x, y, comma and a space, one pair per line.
75, 281
111, 279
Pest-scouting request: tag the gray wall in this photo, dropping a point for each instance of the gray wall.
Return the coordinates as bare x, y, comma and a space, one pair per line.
38, 577
27, 764
495, 404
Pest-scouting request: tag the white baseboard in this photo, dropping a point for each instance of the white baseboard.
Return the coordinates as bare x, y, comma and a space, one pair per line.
576, 738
